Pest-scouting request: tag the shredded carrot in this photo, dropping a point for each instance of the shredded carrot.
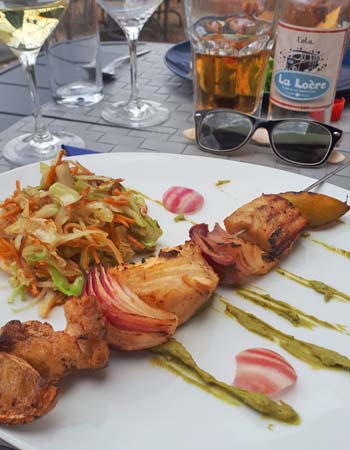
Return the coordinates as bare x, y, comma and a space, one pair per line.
83, 169
70, 226
84, 258
23, 244
10, 212
59, 157
74, 171
124, 220
115, 202
85, 191
42, 263
8, 201
33, 289
116, 252
82, 240
134, 241
52, 172
95, 255
41, 271
113, 235
50, 176
7, 250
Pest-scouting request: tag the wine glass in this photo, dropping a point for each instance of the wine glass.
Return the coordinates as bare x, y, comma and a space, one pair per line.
131, 15
24, 27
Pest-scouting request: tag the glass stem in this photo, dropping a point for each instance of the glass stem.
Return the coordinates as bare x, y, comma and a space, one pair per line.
41, 133
132, 42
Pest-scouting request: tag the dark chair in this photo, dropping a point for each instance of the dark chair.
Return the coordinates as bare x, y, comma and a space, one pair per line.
165, 9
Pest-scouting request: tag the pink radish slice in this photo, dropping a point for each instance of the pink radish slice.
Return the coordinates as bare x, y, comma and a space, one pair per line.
262, 370
182, 200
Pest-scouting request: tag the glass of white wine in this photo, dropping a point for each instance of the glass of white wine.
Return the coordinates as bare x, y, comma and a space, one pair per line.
24, 27
131, 15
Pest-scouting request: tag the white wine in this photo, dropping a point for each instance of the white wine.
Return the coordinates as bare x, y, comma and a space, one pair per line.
25, 25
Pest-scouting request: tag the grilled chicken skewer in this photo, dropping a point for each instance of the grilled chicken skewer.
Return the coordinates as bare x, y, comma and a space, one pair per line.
56, 354
145, 302
142, 304
179, 280
269, 221
34, 357
24, 394
258, 235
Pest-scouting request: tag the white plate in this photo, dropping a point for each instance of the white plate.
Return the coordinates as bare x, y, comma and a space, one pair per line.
135, 406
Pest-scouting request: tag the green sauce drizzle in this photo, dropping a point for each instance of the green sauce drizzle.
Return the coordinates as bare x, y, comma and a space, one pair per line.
146, 197
174, 357
221, 182
183, 218
331, 248
295, 316
327, 291
178, 218
312, 354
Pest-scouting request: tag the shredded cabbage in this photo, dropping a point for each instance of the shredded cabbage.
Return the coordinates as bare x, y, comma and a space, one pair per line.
63, 285
53, 233
63, 194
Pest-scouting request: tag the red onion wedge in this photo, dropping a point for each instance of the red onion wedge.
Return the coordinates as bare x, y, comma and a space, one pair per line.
231, 258
262, 370
182, 200
132, 323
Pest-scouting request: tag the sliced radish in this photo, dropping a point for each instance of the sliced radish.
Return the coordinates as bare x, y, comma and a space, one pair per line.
262, 370
182, 200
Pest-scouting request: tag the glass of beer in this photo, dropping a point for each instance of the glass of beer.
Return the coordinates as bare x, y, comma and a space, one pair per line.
231, 43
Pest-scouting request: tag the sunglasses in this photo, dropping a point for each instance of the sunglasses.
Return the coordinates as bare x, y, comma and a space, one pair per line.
297, 141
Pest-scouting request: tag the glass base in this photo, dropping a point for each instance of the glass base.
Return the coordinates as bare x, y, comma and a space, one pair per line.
78, 94
24, 150
136, 114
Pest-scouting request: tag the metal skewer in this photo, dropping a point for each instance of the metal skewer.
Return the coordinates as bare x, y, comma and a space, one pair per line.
326, 177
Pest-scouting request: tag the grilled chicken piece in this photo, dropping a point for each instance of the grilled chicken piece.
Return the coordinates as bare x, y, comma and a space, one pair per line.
55, 354
231, 258
132, 324
179, 280
86, 322
24, 394
134, 340
270, 221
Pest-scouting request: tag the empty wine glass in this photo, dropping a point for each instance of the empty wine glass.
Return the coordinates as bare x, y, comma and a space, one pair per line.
131, 15
24, 27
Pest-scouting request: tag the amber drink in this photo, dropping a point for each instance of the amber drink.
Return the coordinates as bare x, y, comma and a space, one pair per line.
231, 48
234, 82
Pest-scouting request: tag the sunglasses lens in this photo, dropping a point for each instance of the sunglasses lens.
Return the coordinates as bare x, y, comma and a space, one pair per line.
223, 130
301, 141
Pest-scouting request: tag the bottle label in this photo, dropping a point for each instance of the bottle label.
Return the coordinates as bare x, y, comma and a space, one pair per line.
306, 67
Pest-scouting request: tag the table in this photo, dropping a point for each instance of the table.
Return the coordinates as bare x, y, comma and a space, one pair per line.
156, 82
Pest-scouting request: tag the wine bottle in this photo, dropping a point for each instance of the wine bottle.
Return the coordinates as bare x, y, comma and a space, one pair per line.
307, 59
